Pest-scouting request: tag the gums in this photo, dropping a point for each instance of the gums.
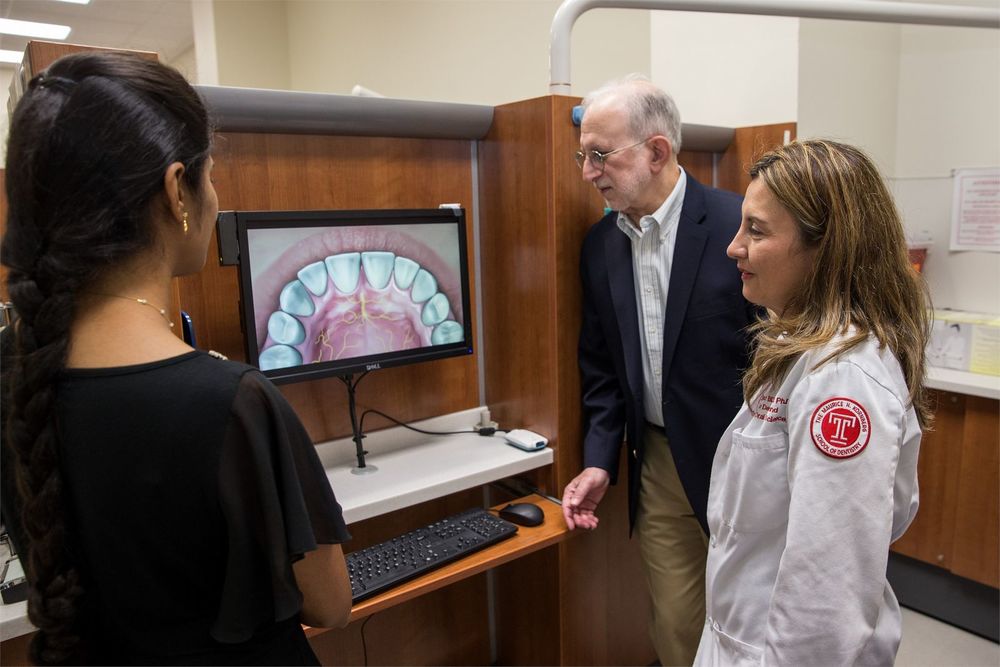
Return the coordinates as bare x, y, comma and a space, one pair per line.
363, 321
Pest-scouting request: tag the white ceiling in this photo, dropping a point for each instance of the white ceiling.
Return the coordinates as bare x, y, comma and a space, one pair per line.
163, 26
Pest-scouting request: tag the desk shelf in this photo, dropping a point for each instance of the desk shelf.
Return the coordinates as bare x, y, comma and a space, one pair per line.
527, 540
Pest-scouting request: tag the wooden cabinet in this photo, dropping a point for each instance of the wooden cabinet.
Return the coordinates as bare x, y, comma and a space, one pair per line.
976, 553
957, 525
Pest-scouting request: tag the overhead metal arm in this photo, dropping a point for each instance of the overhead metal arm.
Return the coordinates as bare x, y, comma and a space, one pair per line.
849, 10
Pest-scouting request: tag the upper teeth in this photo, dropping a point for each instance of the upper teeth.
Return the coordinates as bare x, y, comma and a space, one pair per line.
344, 270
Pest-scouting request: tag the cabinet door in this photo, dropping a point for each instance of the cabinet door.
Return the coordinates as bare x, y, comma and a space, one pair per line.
931, 535
976, 552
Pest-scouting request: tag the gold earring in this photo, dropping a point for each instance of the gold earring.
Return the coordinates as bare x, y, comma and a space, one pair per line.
185, 220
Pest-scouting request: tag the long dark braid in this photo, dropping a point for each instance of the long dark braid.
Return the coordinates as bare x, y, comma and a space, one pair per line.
89, 145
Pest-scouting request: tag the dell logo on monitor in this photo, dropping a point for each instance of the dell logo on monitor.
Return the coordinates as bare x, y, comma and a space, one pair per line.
373, 367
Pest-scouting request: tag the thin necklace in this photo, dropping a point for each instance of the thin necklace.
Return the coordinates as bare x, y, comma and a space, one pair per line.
144, 302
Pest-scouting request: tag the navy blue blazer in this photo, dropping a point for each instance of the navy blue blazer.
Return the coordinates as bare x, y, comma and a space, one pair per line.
705, 344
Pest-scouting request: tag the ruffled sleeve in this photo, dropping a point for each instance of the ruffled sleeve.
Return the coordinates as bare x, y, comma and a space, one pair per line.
277, 504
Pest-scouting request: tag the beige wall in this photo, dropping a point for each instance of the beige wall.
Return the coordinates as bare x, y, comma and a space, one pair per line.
948, 117
949, 100
728, 70
251, 43
6, 76
484, 52
186, 64
848, 81
472, 51
922, 101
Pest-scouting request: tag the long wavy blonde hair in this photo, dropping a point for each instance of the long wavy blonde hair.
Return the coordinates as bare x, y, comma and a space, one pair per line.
862, 275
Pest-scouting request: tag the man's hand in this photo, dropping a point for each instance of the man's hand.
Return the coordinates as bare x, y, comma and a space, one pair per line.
581, 496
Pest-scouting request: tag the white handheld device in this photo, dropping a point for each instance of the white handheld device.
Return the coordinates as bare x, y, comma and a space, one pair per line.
529, 441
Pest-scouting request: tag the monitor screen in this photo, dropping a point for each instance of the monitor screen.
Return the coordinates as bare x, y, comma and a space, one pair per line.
338, 292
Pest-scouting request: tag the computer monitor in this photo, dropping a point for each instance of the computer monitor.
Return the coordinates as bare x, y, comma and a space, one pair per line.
334, 293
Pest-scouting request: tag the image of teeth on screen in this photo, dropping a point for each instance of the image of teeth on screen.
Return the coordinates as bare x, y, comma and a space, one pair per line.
322, 294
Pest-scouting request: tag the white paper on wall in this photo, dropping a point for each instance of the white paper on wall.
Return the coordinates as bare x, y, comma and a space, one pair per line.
975, 210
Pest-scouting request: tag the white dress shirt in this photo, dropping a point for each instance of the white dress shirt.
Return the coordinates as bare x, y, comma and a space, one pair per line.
652, 254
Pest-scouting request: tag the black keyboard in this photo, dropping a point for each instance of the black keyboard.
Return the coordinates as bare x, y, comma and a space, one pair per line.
382, 566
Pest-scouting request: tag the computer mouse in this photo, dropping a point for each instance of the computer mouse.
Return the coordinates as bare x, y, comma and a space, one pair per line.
523, 514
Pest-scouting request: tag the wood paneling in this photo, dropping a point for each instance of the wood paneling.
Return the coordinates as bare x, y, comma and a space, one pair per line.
520, 266
576, 205
930, 537
699, 165
39, 55
449, 626
446, 627
605, 596
958, 525
292, 172
536, 209
977, 517
15, 651
749, 143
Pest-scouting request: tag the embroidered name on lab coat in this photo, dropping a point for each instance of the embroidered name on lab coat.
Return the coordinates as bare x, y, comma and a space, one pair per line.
840, 427
770, 409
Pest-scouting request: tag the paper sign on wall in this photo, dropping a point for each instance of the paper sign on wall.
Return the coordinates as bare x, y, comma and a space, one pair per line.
975, 210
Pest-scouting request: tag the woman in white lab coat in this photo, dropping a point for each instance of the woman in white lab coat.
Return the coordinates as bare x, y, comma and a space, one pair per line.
817, 474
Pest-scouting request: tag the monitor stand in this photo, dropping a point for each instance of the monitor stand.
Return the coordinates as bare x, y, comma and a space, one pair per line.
362, 468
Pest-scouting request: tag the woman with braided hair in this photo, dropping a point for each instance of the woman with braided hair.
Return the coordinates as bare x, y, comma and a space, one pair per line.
169, 505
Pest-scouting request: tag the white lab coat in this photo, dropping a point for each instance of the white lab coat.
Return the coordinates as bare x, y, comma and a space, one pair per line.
796, 570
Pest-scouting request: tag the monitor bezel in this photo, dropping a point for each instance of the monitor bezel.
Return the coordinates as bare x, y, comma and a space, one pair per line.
249, 220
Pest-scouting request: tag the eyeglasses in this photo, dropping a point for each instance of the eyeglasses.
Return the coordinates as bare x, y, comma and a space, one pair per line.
597, 158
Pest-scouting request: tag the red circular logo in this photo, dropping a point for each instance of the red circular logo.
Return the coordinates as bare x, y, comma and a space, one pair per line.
840, 428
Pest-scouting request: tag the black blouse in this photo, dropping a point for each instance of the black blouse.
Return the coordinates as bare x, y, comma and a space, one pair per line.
192, 487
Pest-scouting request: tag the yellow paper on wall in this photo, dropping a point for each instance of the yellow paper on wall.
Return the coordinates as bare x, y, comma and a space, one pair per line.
965, 341
985, 357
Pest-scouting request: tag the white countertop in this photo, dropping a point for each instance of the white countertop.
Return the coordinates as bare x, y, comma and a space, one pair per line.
412, 468
14, 620
962, 382
14, 617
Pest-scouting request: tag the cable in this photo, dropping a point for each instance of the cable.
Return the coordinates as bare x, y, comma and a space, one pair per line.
357, 432
364, 642
481, 431
350, 381
489, 430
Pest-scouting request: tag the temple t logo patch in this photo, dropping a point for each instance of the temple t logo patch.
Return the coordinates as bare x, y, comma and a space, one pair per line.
840, 427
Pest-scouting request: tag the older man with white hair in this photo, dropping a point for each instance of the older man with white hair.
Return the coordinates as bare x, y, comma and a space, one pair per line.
662, 344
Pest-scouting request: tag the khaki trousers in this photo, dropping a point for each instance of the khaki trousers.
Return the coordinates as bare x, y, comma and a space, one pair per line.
674, 549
